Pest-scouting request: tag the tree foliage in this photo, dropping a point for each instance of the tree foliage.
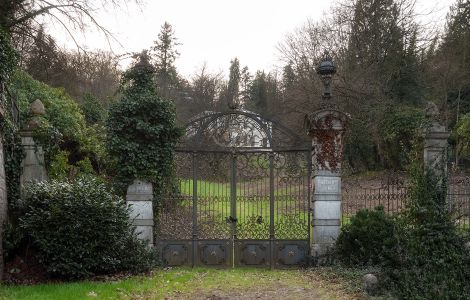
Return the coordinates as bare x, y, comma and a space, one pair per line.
165, 53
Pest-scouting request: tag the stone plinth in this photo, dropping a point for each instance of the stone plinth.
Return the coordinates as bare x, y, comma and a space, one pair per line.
326, 127
33, 166
139, 198
435, 148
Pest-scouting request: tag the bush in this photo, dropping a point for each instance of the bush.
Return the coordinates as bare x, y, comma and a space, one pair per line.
431, 262
81, 229
367, 239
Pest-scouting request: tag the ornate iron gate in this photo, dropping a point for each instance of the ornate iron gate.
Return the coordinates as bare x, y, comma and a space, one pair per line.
242, 197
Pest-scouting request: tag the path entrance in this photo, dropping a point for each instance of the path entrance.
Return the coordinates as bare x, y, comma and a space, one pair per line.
242, 197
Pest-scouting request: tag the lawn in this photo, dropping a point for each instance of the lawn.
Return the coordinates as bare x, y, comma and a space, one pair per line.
198, 283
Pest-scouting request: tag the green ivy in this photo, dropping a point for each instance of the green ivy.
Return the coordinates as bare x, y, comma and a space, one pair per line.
430, 259
142, 130
13, 151
8, 56
400, 130
63, 127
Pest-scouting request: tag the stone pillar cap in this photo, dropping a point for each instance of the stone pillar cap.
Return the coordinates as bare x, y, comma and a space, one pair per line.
37, 108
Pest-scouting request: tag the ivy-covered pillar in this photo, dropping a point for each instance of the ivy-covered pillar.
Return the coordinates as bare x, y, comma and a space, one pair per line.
326, 127
33, 166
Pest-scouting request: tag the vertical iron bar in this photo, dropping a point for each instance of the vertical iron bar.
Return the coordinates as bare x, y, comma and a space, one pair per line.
194, 241
271, 207
309, 194
233, 197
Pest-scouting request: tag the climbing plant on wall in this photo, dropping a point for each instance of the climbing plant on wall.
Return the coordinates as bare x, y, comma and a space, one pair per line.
13, 152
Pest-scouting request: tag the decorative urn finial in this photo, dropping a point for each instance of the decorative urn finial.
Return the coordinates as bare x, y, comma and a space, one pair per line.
326, 70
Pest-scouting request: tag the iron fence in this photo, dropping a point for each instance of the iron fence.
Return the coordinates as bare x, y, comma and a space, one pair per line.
392, 193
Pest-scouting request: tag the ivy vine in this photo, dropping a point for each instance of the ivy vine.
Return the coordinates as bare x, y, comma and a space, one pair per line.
12, 149
142, 130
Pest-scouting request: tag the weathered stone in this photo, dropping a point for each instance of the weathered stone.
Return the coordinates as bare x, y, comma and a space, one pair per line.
37, 108
139, 198
370, 283
33, 167
435, 143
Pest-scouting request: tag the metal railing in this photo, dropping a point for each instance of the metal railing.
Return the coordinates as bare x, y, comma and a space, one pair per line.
392, 193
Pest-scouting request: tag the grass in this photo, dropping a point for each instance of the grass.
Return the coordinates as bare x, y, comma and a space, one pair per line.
184, 283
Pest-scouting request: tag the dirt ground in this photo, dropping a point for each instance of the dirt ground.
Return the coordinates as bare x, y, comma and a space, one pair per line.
275, 291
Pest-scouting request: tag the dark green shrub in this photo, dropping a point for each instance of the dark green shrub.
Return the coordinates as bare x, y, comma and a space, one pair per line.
431, 262
368, 238
81, 229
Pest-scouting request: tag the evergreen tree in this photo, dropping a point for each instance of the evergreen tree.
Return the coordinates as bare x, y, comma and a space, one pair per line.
259, 93
233, 87
165, 53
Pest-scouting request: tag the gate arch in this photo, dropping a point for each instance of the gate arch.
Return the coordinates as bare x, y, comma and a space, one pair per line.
242, 197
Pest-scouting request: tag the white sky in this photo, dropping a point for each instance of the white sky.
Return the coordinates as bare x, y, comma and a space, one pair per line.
216, 31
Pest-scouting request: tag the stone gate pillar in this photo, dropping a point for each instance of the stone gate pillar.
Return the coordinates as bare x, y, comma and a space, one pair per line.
326, 127
33, 166
139, 199
435, 142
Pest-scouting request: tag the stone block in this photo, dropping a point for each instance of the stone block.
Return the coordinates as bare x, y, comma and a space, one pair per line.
327, 185
327, 210
139, 199
325, 234
141, 210
140, 188
145, 233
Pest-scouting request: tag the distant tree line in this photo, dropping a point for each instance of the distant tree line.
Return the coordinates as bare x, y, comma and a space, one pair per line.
389, 67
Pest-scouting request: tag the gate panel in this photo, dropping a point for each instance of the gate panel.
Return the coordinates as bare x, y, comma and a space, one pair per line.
291, 208
214, 209
292, 186
253, 209
174, 226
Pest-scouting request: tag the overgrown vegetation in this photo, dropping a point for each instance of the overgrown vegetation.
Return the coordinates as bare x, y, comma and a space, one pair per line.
142, 131
80, 229
63, 128
420, 253
431, 261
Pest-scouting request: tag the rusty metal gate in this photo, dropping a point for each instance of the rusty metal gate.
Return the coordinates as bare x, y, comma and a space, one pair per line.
242, 197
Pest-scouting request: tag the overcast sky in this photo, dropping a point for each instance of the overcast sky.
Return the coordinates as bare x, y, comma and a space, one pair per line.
216, 31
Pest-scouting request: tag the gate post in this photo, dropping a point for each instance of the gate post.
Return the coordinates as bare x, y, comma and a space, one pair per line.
33, 167
326, 127
139, 199
435, 142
